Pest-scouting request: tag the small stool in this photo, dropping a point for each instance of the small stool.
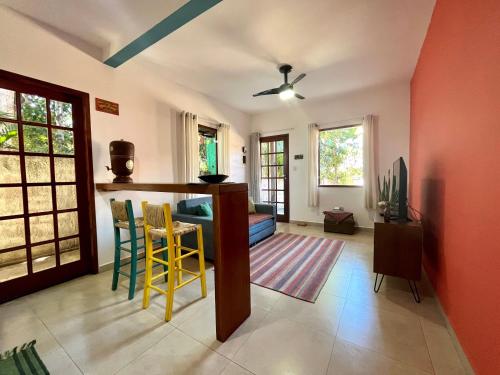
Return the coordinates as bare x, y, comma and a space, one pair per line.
158, 224
339, 221
123, 218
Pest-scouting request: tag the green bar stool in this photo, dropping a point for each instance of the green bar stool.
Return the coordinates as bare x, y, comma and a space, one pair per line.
123, 219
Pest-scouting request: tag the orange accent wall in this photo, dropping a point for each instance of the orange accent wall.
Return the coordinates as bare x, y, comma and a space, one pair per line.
455, 169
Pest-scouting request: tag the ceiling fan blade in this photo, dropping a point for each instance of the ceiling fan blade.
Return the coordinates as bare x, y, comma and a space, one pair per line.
299, 96
298, 78
268, 92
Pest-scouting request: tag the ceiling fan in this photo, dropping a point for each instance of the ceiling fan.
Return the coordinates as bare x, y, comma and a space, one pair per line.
285, 91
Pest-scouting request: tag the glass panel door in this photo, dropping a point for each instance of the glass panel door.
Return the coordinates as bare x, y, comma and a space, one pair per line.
40, 198
274, 174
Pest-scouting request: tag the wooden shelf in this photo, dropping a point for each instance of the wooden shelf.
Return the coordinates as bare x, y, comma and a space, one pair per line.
200, 188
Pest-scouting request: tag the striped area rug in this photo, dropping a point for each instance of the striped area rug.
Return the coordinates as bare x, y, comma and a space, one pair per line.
293, 264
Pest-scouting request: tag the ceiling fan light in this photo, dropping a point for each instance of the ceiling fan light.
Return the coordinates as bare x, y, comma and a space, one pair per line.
287, 94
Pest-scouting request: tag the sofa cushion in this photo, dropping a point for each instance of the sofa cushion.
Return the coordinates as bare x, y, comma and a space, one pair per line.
204, 209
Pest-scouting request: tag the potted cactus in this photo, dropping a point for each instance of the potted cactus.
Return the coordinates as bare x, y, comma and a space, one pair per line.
384, 193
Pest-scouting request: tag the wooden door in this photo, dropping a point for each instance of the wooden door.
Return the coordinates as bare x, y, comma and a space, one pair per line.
47, 218
274, 185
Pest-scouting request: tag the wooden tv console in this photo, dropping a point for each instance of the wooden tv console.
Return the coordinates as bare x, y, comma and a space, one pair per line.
398, 252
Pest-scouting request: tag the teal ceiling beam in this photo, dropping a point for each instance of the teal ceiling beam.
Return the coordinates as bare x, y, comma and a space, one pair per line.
177, 19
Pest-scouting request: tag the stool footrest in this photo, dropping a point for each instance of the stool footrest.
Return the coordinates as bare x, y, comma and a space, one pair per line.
159, 290
187, 255
161, 249
187, 271
161, 261
140, 256
187, 282
186, 248
156, 277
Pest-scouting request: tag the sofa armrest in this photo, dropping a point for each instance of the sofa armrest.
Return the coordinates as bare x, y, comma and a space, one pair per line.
266, 209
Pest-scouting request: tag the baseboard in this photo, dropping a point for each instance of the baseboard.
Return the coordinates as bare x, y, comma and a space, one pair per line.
365, 229
109, 266
309, 223
456, 343
320, 225
106, 267
461, 354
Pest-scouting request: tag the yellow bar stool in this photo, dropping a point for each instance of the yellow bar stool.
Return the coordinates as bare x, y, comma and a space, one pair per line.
158, 224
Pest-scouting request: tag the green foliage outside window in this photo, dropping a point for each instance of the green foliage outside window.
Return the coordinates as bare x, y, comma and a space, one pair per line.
33, 109
36, 139
61, 114
341, 156
8, 135
208, 154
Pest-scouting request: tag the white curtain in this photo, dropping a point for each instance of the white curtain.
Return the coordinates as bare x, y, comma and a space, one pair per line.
254, 159
369, 162
224, 149
190, 160
313, 166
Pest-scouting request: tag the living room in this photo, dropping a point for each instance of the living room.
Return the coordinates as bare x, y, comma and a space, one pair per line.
305, 106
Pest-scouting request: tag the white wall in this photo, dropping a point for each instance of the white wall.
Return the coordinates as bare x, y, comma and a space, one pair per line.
391, 104
149, 110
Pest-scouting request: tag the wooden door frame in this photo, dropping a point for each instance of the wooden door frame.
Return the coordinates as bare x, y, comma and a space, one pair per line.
83, 165
285, 138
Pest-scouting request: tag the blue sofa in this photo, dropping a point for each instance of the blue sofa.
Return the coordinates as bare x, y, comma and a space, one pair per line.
261, 225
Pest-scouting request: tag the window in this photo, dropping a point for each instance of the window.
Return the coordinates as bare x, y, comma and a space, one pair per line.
341, 156
207, 141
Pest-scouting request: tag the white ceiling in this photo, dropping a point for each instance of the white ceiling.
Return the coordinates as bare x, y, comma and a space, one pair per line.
232, 50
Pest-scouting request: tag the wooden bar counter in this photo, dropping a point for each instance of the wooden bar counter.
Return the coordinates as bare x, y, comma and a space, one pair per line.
232, 261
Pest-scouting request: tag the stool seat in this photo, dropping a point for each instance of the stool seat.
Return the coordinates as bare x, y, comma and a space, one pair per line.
179, 228
124, 224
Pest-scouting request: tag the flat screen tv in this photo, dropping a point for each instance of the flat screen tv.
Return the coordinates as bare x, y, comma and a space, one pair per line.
399, 199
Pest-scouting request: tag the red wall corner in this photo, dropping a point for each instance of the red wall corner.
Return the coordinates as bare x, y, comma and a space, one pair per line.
455, 169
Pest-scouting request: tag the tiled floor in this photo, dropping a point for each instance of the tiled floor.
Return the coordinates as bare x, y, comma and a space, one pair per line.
83, 327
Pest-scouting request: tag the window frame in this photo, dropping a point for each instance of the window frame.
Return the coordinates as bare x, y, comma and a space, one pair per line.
207, 129
319, 157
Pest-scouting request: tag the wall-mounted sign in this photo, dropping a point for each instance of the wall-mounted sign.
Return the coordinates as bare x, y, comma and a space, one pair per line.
298, 157
102, 105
